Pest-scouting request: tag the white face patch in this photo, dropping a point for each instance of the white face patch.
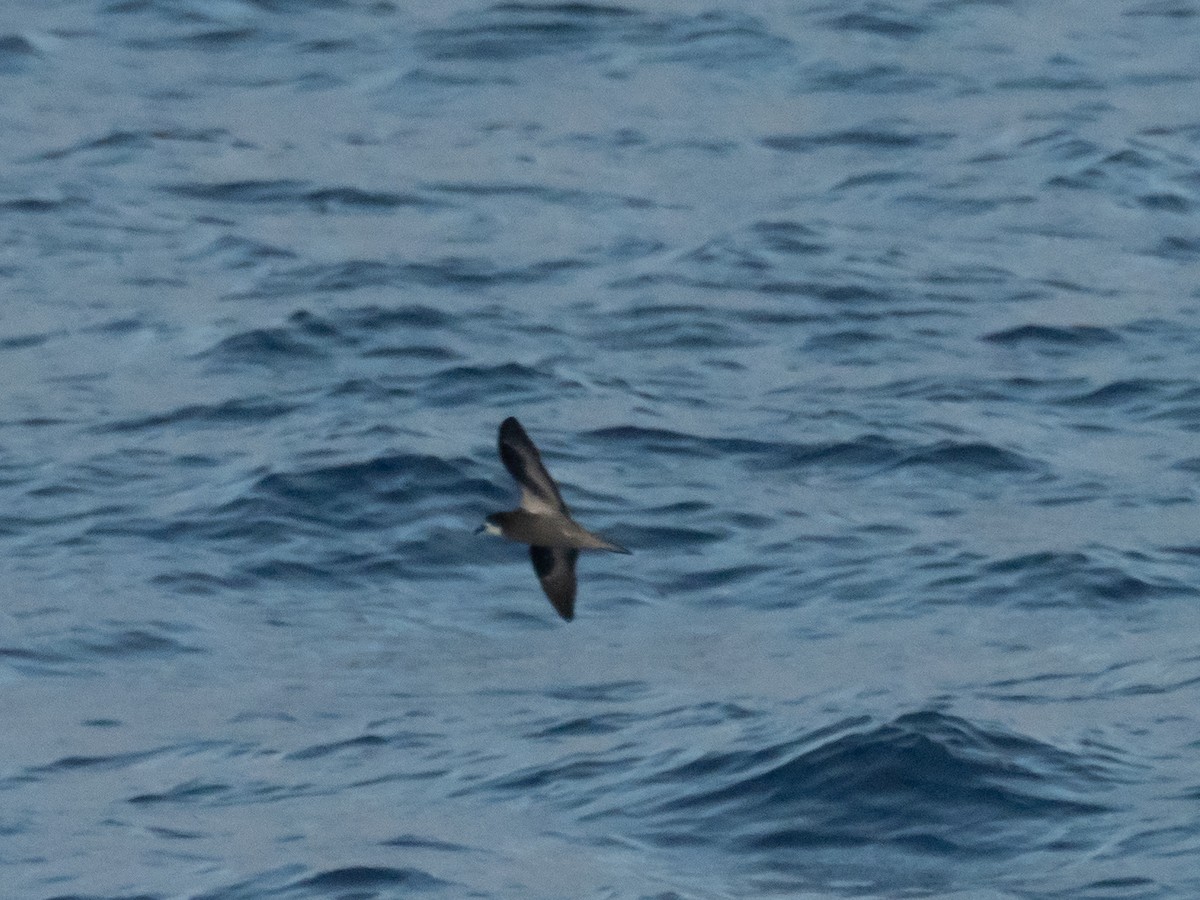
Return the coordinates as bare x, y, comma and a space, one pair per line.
492, 528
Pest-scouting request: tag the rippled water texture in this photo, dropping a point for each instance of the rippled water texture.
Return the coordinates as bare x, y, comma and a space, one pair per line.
872, 329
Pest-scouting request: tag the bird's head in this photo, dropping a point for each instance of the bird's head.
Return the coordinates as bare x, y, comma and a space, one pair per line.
491, 525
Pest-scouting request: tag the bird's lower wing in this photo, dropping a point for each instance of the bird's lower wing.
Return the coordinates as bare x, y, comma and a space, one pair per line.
555, 567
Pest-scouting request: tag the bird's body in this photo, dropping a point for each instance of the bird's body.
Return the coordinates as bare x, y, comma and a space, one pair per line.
543, 520
541, 530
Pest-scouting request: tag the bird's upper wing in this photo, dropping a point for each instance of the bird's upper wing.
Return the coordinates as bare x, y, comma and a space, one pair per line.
555, 567
539, 493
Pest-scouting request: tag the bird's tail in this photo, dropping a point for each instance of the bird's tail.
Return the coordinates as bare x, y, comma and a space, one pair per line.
610, 546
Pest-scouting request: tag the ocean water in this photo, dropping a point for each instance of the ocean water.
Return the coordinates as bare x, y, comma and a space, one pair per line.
872, 328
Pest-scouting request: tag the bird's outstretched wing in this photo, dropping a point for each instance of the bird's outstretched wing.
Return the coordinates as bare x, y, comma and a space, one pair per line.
539, 493
555, 567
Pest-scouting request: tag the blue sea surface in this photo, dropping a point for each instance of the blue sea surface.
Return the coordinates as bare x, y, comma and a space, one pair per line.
872, 328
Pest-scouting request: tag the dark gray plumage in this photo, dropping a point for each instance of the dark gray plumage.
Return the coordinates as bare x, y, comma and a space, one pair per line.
543, 520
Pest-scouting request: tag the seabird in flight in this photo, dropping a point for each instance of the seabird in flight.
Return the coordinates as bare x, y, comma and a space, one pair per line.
542, 521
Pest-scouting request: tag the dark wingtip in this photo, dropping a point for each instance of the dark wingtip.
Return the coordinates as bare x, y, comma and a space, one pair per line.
567, 616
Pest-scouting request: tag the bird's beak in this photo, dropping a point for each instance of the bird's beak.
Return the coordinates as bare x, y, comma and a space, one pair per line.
481, 529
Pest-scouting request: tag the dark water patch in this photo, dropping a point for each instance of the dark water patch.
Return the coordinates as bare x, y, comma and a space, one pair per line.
716, 39
73, 654
974, 274
33, 662
280, 190
206, 39
417, 842
858, 138
354, 495
414, 353
354, 882
1138, 393
708, 714
728, 254
838, 292
602, 692
316, 510
264, 347
41, 205
963, 206
452, 272
1064, 145
873, 78
118, 327
881, 21
627, 438
1051, 82
653, 315
1178, 247
667, 536
352, 745
872, 179
1169, 9
343, 276
609, 723
509, 33
292, 192
176, 834
301, 573
200, 584
574, 198
114, 762
681, 508
977, 458
719, 579
214, 794
187, 792
1052, 335
926, 782
16, 54
334, 198
372, 389
684, 333
356, 879
113, 141
118, 145
241, 253
843, 341
1069, 579
25, 341
790, 238
866, 450
1165, 201
136, 642
510, 382
972, 390
1131, 888
373, 319
237, 412
1141, 174
562, 780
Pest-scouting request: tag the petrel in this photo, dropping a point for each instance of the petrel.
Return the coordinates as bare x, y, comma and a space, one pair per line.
542, 521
